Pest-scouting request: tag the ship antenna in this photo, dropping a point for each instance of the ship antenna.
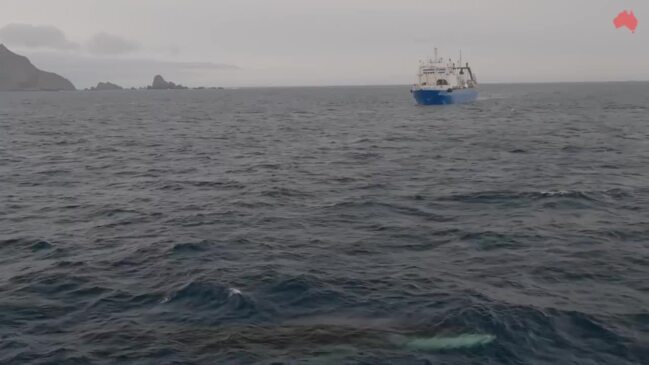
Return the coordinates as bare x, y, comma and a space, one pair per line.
460, 58
436, 54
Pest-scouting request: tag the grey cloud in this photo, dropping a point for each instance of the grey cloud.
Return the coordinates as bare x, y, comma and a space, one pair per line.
50, 37
108, 44
36, 36
297, 42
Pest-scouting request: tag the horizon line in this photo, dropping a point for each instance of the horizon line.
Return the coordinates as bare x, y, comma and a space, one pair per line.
379, 85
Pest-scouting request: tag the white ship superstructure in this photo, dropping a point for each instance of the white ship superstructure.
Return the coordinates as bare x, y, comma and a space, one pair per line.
442, 81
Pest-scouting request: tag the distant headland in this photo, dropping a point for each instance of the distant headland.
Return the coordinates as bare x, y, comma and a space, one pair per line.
17, 73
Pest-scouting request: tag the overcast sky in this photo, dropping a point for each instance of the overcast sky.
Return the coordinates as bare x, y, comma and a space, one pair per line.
324, 42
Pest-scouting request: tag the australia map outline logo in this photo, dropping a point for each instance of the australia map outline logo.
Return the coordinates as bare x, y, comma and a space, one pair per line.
626, 19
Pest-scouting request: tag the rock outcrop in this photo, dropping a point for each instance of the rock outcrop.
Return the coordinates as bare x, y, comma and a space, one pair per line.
159, 83
17, 73
106, 86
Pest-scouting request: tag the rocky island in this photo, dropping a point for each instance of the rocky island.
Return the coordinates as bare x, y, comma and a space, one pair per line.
159, 83
17, 73
106, 86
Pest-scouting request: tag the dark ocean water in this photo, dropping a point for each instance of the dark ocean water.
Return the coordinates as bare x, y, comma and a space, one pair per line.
325, 226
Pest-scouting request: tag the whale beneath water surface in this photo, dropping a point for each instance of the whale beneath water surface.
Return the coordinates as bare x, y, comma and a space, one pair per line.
438, 343
324, 335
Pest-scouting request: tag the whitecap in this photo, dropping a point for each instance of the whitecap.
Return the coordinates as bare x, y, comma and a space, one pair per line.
233, 291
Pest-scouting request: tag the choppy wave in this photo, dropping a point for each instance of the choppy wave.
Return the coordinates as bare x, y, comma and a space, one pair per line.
506, 196
324, 226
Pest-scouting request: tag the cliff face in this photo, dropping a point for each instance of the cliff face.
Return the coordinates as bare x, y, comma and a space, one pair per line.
18, 74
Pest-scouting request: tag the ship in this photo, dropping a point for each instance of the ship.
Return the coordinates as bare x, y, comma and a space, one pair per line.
442, 81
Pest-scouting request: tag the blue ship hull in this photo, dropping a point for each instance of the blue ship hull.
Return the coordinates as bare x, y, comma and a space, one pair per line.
443, 97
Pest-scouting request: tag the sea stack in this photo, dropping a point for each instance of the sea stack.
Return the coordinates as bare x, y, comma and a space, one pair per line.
17, 73
159, 83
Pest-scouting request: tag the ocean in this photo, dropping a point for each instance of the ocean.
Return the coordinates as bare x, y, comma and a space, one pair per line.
333, 225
